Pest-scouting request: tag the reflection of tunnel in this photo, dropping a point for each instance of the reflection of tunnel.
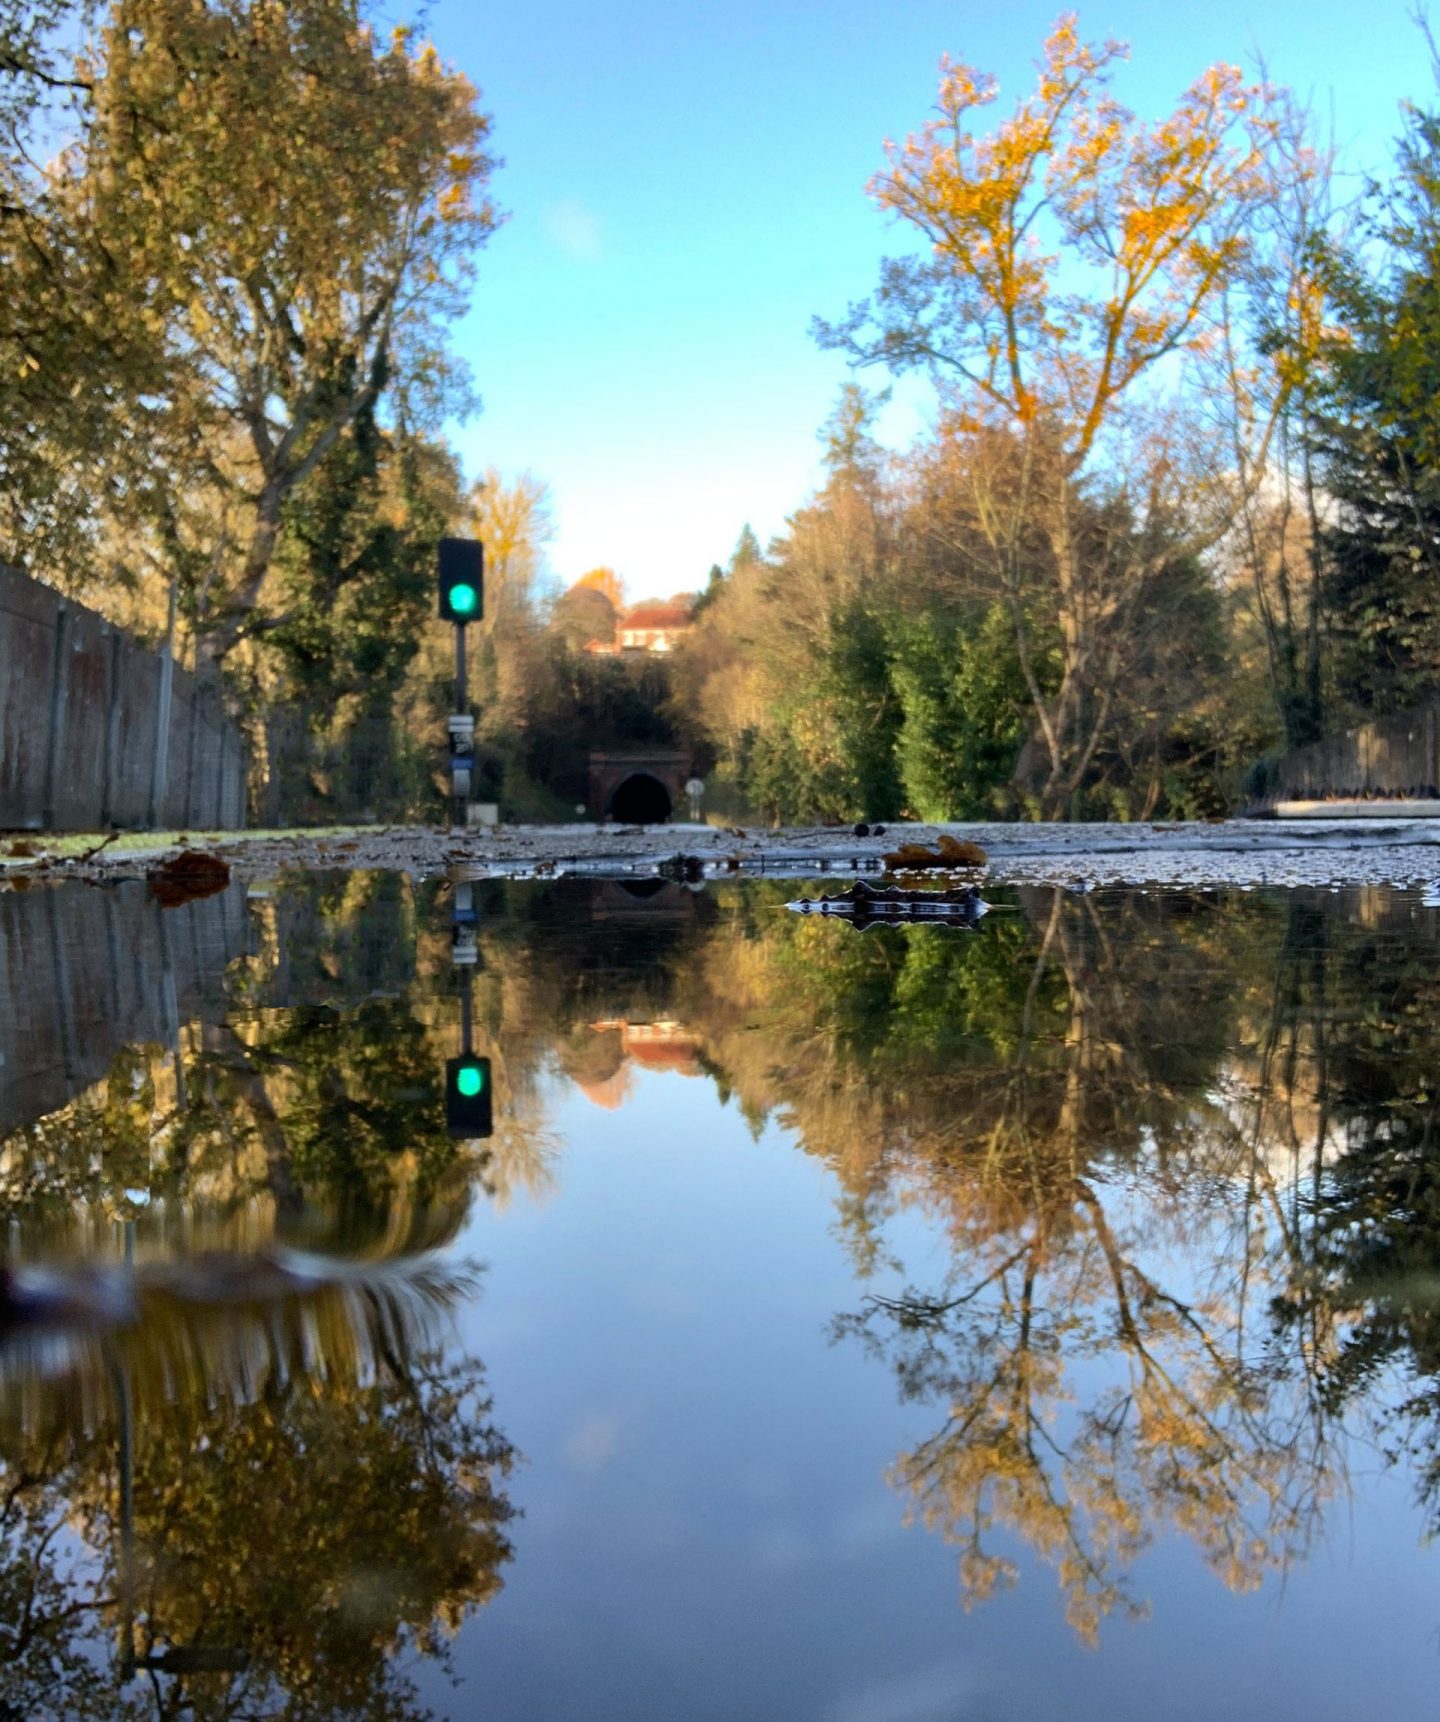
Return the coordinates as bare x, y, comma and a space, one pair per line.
641, 800
642, 888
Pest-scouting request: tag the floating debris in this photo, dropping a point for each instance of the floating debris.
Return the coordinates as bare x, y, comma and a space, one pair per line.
876, 905
949, 852
683, 869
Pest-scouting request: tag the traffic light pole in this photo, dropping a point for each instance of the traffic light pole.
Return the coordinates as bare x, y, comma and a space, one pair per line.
462, 691
462, 738
467, 1013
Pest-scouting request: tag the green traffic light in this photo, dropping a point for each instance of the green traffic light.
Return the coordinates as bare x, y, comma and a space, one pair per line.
470, 1081
463, 598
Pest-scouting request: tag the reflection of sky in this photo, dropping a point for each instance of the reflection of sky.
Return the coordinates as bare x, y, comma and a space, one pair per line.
707, 1529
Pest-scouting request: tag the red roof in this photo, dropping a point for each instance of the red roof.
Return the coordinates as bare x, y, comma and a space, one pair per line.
657, 616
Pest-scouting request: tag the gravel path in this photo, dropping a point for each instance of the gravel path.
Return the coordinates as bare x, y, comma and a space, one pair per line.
1245, 853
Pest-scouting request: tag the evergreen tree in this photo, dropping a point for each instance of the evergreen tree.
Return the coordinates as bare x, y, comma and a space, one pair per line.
1377, 436
747, 552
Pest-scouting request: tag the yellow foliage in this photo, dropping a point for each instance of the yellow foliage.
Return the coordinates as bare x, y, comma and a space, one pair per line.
1157, 211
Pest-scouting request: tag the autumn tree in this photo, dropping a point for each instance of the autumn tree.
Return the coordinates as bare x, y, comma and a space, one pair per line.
606, 581
1070, 254
787, 666
70, 351
1270, 329
295, 206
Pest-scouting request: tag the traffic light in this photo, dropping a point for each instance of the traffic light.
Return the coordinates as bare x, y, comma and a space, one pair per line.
467, 1096
462, 580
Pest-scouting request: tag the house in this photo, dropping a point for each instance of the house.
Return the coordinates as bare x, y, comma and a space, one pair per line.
655, 625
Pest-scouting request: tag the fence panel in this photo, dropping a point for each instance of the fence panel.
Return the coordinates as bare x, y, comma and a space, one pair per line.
79, 706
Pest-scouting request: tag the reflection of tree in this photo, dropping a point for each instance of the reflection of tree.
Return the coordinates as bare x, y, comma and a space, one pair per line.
323, 1534
50, 1606
322, 1088
1088, 1407
1053, 1090
1362, 1010
977, 1076
303, 1514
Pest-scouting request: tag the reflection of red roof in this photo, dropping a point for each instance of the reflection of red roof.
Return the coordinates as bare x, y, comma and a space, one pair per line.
660, 1045
664, 1051
657, 616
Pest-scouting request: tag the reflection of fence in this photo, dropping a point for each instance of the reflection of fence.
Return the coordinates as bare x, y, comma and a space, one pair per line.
81, 709
1393, 756
83, 972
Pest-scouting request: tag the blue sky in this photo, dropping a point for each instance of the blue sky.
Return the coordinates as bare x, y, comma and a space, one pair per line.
686, 189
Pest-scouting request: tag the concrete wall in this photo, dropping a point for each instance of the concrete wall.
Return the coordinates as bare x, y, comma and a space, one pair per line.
79, 702
1391, 756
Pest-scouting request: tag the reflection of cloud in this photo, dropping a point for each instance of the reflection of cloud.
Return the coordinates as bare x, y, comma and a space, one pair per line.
927, 1695
592, 1445
575, 230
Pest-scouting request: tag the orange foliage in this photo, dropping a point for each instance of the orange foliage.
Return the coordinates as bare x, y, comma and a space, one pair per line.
605, 580
1155, 214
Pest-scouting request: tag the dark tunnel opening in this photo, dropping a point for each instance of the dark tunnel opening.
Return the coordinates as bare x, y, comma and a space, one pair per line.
640, 800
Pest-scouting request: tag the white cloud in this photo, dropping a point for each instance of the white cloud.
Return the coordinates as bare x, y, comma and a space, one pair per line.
575, 230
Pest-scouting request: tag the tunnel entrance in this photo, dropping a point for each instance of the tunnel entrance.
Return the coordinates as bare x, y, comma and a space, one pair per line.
640, 800
639, 786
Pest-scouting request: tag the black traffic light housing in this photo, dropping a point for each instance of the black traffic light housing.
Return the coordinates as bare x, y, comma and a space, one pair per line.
467, 1096
462, 580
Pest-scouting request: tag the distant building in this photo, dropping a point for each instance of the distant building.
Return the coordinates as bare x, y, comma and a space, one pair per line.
652, 626
661, 1045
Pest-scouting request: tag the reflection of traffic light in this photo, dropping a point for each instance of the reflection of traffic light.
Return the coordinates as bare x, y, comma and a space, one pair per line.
467, 1096
462, 588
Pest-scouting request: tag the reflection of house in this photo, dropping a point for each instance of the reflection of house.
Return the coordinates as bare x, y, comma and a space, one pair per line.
652, 626
660, 1045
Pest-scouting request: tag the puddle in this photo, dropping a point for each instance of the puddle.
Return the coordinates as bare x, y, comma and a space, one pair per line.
630, 1298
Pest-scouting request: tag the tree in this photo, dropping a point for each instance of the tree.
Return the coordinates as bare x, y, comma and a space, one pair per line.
714, 584
607, 581
283, 295
582, 614
1375, 432
747, 552
353, 585
1071, 252
70, 351
1270, 330
962, 712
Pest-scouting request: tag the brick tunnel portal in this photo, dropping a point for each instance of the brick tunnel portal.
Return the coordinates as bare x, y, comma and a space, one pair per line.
638, 788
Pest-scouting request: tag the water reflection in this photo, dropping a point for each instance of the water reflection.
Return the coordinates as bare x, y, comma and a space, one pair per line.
244, 1468
1178, 1148
254, 1479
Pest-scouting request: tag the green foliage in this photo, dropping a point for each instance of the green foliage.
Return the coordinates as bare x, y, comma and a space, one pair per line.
354, 583
1377, 436
962, 696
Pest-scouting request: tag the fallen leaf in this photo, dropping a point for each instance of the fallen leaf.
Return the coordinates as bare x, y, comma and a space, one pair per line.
948, 852
186, 877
